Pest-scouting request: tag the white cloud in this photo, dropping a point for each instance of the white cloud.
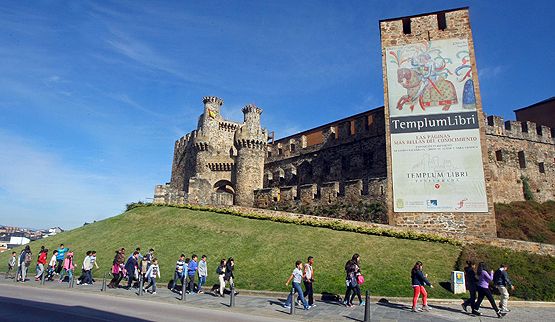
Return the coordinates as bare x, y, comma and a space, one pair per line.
491, 72
40, 189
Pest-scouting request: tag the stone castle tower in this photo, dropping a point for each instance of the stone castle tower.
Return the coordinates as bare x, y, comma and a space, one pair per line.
250, 141
221, 162
429, 72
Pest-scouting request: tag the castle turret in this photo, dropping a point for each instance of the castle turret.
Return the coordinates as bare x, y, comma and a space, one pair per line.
209, 120
250, 141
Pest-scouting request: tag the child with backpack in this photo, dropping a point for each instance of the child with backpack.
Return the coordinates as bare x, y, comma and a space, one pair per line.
152, 272
68, 267
52, 266
25, 259
92, 265
11, 264
41, 262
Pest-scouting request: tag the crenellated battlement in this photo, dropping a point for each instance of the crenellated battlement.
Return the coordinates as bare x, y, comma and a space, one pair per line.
351, 129
213, 99
221, 166
251, 108
322, 194
250, 144
530, 131
228, 126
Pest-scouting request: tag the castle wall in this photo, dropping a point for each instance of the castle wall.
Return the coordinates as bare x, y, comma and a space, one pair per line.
517, 152
349, 149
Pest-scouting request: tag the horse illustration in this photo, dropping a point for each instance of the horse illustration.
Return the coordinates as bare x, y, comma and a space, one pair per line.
424, 89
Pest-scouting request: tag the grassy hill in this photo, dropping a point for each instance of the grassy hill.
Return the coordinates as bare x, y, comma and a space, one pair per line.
264, 251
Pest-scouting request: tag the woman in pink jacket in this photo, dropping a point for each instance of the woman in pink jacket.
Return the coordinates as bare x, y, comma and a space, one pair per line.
68, 267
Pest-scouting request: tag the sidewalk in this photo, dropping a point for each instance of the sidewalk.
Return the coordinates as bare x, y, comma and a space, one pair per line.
270, 305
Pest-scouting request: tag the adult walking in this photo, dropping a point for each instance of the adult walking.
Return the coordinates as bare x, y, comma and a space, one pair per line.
484, 278
470, 281
308, 281
419, 281
502, 283
352, 270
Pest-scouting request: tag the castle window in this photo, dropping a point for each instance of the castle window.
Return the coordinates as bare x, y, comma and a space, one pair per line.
280, 151
345, 163
539, 130
541, 167
406, 26
490, 121
381, 190
441, 21
524, 127
521, 160
269, 154
508, 125
292, 147
499, 155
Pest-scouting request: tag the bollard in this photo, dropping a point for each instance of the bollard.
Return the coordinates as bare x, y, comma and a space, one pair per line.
42, 278
183, 293
70, 282
232, 297
292, 295
367, 312
141, 284
103, 287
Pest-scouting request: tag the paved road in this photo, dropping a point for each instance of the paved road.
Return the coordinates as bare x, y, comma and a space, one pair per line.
26, 304
56, 302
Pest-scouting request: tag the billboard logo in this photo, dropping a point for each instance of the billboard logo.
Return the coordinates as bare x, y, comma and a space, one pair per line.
431, 203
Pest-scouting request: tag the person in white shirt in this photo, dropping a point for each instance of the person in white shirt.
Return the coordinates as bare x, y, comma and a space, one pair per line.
152, 272
297, 276
52, 266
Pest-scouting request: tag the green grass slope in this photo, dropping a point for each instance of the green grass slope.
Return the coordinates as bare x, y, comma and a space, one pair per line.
264, 251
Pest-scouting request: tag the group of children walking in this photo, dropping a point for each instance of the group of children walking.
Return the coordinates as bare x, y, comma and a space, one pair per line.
476, 282
187, 269
479, 282
60, 265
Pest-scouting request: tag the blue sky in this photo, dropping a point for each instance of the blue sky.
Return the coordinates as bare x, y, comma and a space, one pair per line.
94, 94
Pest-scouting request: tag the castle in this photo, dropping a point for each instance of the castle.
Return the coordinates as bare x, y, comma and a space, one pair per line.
349, 162
221, 162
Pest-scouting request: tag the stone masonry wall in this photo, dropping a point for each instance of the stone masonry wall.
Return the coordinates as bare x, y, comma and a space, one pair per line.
518, 150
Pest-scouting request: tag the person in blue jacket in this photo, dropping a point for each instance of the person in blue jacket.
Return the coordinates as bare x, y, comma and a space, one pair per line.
191, 272
131, 267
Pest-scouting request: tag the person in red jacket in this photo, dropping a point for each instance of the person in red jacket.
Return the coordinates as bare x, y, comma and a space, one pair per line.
41, 262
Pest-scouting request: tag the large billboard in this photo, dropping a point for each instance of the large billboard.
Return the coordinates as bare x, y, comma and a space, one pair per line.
436, 154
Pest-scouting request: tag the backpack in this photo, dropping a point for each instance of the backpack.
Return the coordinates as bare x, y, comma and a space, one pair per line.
219, 270
28, 259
